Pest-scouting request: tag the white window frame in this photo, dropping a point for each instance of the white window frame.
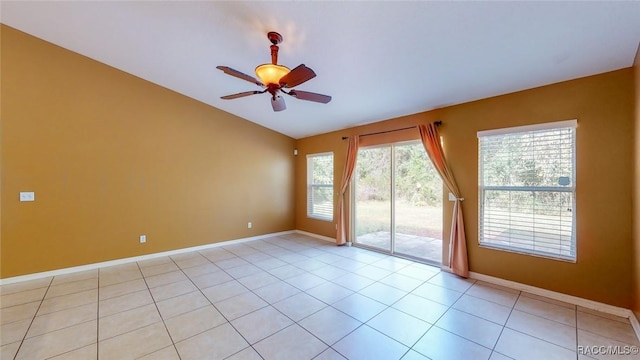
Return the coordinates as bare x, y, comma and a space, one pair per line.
534, 250
311, 186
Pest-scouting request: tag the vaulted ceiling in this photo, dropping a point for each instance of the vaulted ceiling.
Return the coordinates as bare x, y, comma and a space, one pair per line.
378, 60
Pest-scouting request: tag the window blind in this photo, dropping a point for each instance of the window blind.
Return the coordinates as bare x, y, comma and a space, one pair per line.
527, 189
320, 186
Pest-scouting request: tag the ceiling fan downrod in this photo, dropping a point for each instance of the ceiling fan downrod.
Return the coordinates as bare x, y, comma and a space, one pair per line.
275, 39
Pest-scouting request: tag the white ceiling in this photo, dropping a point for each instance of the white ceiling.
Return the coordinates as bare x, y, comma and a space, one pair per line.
378, 60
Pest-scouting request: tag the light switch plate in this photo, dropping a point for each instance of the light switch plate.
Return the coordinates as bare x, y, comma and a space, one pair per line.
27, 196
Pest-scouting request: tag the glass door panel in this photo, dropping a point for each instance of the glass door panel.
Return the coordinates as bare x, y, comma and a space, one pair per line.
417, 204
372, 203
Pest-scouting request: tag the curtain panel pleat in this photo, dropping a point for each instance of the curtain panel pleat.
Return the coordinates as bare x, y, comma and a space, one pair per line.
458, 262
349, 167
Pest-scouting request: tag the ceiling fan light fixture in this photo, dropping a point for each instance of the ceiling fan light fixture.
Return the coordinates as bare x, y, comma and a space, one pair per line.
271, 73
277, 102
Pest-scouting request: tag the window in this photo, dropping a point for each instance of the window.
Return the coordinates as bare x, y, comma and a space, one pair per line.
320, 186
527, 189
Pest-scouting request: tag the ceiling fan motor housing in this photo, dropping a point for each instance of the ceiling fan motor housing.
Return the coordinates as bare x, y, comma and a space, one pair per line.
274, 37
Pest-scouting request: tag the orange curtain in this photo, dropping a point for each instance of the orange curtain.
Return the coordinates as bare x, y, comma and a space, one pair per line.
458, 262
349, 166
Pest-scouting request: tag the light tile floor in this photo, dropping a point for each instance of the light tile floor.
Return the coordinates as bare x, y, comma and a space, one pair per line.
291, 297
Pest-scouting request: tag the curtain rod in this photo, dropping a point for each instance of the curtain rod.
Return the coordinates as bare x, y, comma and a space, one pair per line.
438, 123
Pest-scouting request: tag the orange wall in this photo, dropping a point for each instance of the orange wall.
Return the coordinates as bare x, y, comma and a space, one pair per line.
636, 188
603, 105
111, 157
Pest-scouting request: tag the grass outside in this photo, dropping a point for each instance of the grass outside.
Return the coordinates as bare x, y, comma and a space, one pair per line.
373, 216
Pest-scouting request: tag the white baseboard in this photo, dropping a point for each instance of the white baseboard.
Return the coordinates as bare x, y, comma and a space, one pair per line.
93, 266
321, 237
589, 304
635, 324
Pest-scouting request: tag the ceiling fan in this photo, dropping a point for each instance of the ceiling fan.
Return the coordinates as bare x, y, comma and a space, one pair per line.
276, 78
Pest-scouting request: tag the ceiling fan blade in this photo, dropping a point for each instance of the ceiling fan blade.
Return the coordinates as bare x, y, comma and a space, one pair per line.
297, 76
305, 95
229, 71
242, 94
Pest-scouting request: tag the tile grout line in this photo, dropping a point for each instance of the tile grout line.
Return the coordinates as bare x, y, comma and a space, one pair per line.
294, 322
473, 341
536, 337
388, 307
205, 296
98, 319
409, 348
33, 319
575, 314
505, 324
329, 346
210, 302
525, 310
158, 310
214, 306
604, 336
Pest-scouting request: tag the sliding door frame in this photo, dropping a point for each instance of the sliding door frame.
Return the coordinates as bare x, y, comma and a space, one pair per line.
392, 191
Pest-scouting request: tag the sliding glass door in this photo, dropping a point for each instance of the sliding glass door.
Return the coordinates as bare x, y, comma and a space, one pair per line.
398, 201
373, 198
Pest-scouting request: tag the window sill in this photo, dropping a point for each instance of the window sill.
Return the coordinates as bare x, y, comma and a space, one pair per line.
320, 218
524, 252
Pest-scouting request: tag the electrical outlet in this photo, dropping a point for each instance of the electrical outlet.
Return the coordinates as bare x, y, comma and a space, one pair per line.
27, 196
143, 239
249, 225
